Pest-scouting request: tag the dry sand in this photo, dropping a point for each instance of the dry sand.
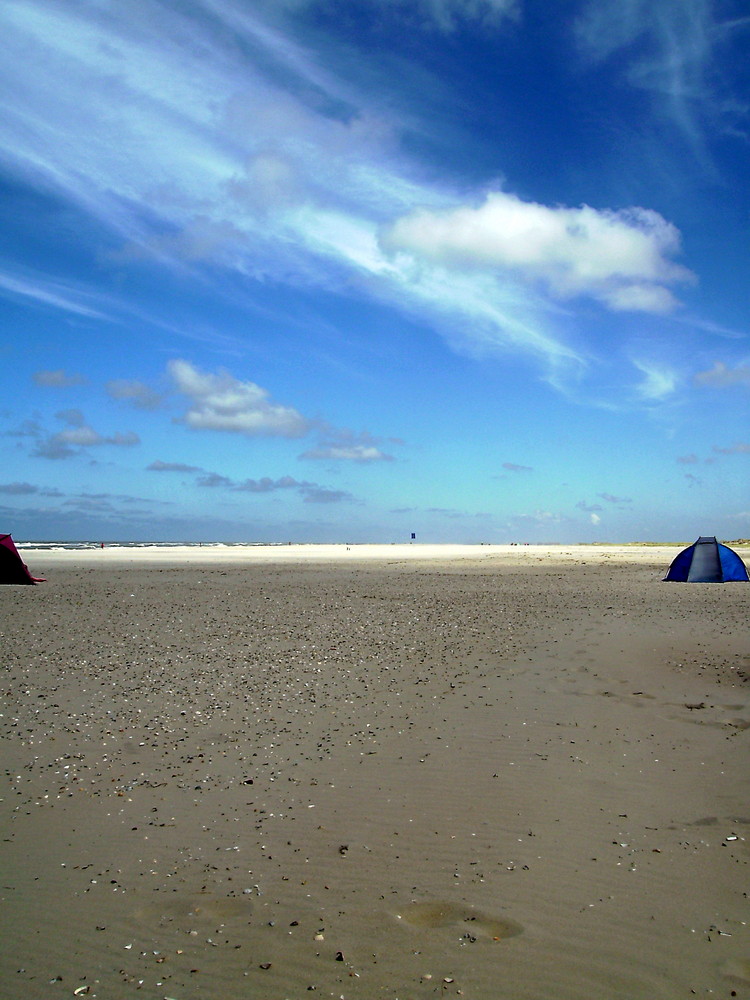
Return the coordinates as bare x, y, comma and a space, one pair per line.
508, 774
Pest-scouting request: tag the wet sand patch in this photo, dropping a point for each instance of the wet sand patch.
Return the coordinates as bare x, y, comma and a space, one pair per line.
473, 922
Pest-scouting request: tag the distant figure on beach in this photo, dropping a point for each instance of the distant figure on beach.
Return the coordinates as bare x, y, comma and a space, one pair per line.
102, 544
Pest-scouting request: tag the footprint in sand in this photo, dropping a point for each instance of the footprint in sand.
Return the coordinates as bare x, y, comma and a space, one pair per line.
737, 968
474, 922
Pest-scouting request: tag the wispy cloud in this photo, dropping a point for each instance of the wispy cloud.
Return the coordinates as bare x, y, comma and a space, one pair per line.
513, 467
446, 15
673, 50
48, 292
254, 159
658, 383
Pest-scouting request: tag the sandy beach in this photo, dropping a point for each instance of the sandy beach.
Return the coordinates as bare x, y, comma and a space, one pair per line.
374, 772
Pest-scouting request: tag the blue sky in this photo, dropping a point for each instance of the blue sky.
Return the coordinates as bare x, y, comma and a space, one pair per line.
343, 270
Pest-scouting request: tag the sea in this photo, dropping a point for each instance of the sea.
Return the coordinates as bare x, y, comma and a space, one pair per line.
53, 546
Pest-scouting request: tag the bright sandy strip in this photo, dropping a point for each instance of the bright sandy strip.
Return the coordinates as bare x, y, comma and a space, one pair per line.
508, 554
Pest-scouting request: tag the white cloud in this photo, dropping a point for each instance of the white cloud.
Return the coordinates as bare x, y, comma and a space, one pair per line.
345, 446
659, 381
221, 402
595, 519
620, 258
77, 436
350, 453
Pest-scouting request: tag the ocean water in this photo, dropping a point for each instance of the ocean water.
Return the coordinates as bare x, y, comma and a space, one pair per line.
57, 546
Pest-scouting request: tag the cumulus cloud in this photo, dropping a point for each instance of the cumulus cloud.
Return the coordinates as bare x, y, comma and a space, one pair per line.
620, 258
58, 378
77, 436
222, 402
346, 446
137, 393
721, 376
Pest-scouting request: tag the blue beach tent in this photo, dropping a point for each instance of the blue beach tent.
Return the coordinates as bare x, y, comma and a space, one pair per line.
707, 561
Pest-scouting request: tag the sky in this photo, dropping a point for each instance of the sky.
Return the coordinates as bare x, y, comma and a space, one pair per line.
353, 270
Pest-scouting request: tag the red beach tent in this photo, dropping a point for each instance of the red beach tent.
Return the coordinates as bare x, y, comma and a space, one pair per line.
12, 568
